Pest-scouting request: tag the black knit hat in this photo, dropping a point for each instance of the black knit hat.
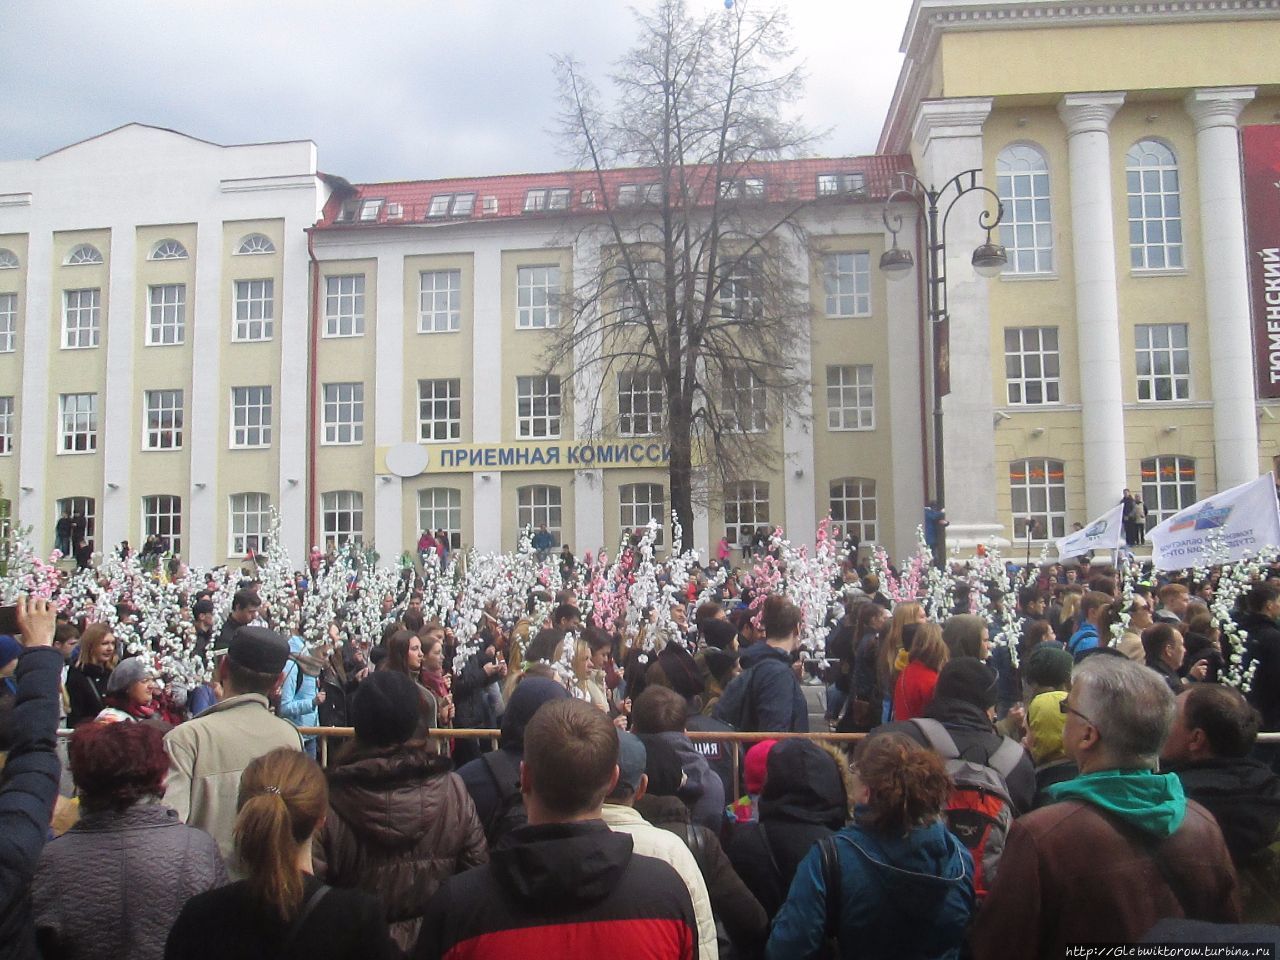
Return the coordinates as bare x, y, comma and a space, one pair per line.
969, 680
718, 633
386, 709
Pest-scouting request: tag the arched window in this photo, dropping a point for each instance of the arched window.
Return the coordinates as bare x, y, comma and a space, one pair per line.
162, 517
746, 507
639, 503
169, 249
1039, 493
1026, 230
1168, 485
84, 253
1155, 207
343, 514
250, 522
255, 243
9, 260
853, 506
440, 508
539, 506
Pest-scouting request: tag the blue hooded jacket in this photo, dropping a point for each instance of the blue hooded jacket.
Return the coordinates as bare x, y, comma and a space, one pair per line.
298, 692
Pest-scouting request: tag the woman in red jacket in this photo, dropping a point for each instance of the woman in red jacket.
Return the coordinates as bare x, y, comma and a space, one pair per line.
914, 689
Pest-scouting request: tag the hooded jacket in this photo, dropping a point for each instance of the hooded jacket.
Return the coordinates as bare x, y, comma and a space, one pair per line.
573, 891
702, 789
766, 695
298, 692
908, 896
399, 824
1263, 649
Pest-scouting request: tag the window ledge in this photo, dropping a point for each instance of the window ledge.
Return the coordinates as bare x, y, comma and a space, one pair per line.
831, 429
1169, 405
341, 336
1027, 277
1013, 408
1167, 272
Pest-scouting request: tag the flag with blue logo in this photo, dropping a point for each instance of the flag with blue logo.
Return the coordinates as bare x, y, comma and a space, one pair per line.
1105, 533
1244, 519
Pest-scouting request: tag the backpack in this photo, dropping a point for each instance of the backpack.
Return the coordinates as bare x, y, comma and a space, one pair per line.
979, 811
509, 814
737, 705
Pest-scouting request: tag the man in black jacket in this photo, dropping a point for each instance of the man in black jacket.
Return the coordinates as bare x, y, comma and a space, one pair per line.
29, 782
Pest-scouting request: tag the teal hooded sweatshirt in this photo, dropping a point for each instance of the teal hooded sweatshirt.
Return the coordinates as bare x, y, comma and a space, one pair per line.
1153, 802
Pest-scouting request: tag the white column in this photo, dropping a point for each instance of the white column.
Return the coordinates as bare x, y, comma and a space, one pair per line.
487, 391
388, 413
32, 505
1087, 117
1226, 280
206, 403
901, 482
118, 405
949, 136
291, 409
800, 506
589, 419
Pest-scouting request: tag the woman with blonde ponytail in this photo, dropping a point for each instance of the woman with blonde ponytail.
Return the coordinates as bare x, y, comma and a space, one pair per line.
895, 882
281, 910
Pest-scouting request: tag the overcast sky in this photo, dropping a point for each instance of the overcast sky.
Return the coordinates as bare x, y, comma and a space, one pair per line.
388, 89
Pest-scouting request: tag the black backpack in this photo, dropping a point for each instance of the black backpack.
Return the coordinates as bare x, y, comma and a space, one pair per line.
509, 812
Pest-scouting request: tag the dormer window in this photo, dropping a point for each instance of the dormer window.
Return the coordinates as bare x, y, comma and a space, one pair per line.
830, 184
369, 211
545, 198
740, 188
451, 205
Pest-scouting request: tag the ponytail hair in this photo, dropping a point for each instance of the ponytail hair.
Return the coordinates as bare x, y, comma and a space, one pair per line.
283, 798
908, 784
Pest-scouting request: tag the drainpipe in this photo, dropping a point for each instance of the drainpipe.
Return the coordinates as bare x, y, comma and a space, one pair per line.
312, 391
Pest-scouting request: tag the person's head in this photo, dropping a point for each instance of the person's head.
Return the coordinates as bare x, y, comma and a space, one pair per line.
1140, 613
1118, 715
385, 710
1174, 597
415, 601
282, 803
632, 782
202, 614
903, 614
244, 606
525, 700
413, 621
1047, 668
598, 645
254, 662
404, 653
1031, 601
433, 652
658, 710
566, 617
65, 638
871, 619
928, 648
1264, 598
1162, 643
1045, 722
709, 610
546, 645
967, 680
97, 646
1035, 633
570, 762
1093, 605
966, 635
781, 620
870, 584
806, 782
114, 765
719, 633
898, 785
131, 682
1211, 722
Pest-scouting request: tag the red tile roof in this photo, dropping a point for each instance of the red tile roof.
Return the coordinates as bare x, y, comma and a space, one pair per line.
499, 197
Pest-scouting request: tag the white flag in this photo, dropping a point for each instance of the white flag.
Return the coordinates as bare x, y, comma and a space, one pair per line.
1246, 519
1105, 533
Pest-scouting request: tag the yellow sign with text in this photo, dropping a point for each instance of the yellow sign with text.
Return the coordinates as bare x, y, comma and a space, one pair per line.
415, 459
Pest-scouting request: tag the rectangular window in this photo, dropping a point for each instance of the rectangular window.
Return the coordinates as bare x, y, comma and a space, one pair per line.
343, 413
538, 507
847, 280
830, 184
639, 404
250, 417
162, 517
742, 187
6, 425
343, 520
163, 427
537, 297
1031, 366
1164, 361
80, 318
166, 314
440, 301
440, 508
538, 408
250, 523
344, 306
1039, 499
84, 516
741, 282
255, 309
744, 402
369, 210
79, 412
641, 503
439, 410
8, 322
851, 398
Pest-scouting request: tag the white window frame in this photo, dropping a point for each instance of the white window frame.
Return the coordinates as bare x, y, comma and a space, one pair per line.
834, 184
539, 504
369, 210
248, 522
1154, 206
83, 254
439, 301
162, 420
641, 403
162, 516
851, 397
854, 507
739, 294
254, 310
86, 506
344, 305
168, 249
166, 314
78, 421
439, 410
255, 244
8, 322
638, 503
746, 401
1163, 359
1172, 486
342, 517
343, 414
6, 426
81, 321
251, 417
1041, 494
440, 508
746, 508
1026, 230
846, 280
538, 408
538, 292
1032, 366
9, 260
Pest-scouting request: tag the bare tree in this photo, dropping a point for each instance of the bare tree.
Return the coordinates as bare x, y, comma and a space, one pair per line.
694, 279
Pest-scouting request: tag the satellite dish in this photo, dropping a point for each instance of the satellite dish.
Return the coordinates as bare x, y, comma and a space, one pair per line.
407, 459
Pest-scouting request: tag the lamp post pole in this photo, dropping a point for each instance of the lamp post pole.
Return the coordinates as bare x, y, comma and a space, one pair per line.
988, 260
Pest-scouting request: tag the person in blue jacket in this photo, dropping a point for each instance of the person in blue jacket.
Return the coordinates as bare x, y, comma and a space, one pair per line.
902, 885
767, 695
300, 693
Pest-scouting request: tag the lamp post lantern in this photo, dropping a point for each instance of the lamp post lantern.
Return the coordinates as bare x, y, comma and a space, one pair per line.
988, 260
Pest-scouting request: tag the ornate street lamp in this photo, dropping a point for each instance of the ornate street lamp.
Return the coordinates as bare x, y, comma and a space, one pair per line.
988, 260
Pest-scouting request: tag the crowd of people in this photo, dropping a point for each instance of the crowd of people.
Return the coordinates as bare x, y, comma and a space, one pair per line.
566, 781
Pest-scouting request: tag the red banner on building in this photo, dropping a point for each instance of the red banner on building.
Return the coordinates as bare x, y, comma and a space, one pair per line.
1262, 217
